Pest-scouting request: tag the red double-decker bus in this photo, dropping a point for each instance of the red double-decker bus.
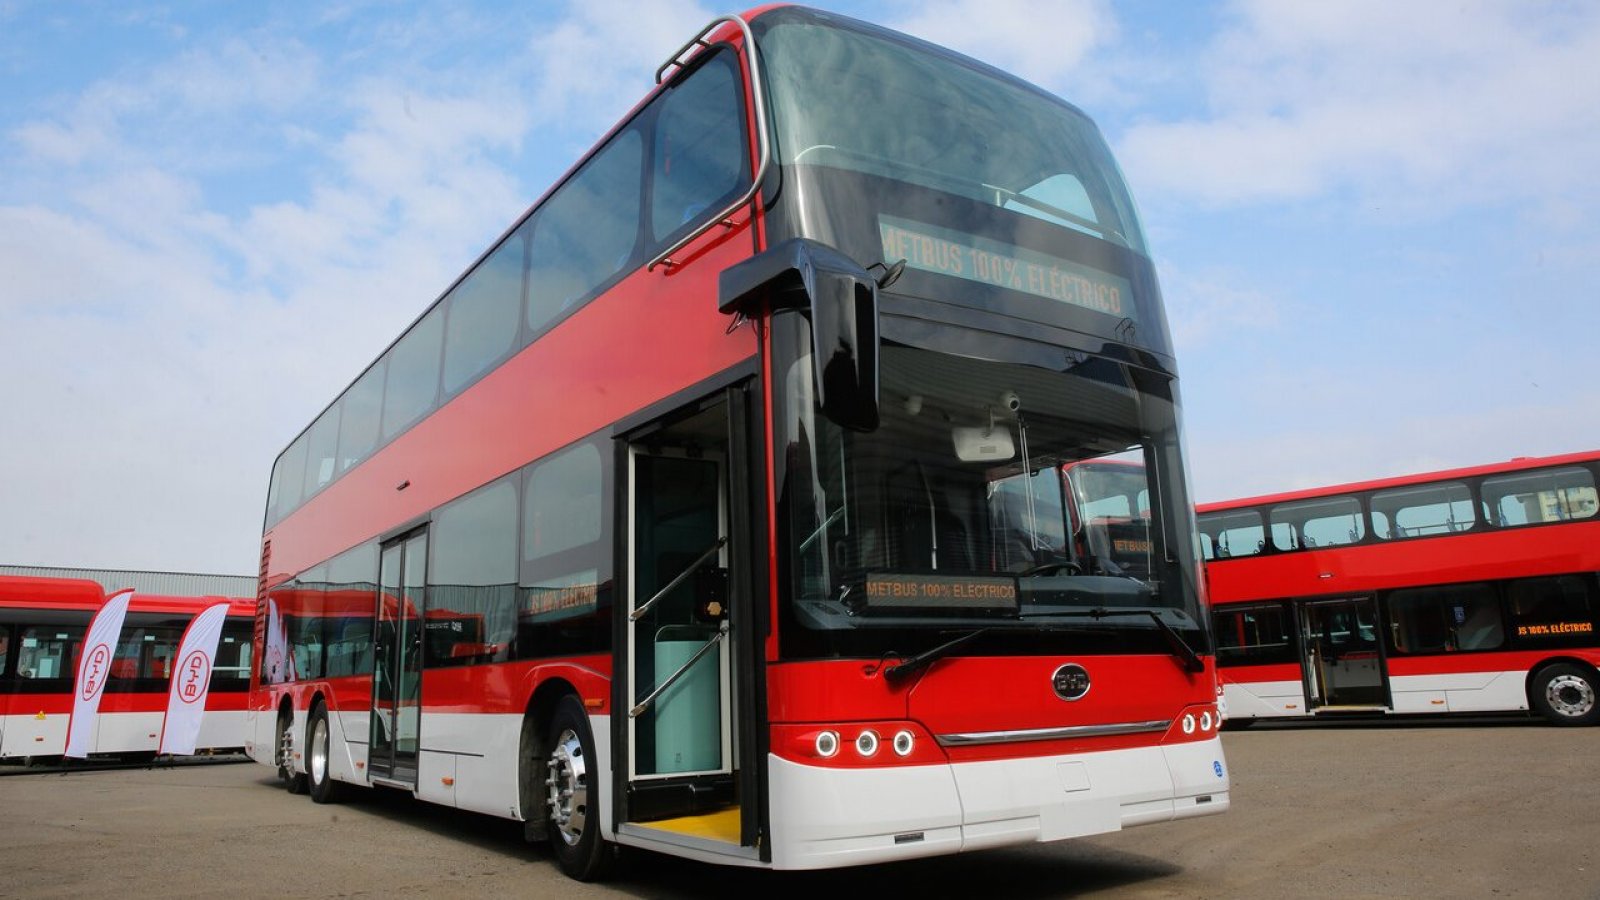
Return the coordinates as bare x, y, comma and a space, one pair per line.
706, 512
1469, 590
42, 626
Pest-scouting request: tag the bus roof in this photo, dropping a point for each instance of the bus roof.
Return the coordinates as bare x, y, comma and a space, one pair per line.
30, 592
1518, 464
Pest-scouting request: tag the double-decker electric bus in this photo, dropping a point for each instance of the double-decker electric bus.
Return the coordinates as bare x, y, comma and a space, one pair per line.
1470, 590
42, 626
703, 513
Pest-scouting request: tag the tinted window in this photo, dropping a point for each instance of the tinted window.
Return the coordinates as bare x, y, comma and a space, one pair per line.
1420, 511
701, 158
1446, 618
565, 582
472, 590
586, 232
322, 443
484, 315
230, 670
348, 606
358, 424
145, 649
413, 379
48, 652
1254, 635
1553, 612
1318, 523
1229, 534
293, 467
1552, 495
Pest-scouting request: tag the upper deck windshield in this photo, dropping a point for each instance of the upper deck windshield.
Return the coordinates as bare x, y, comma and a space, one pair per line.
995, 193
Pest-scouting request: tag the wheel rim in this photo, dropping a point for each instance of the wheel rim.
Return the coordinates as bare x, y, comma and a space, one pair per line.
568, 784
319, 751
285, 745
1570, 695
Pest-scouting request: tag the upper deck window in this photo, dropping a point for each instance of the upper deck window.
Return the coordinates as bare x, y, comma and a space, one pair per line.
1317, 523
1236, 533
587, 231
1443, 508
701, 159
1551, 495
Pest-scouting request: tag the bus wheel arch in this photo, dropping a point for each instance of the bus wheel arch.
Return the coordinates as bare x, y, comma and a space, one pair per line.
532, 757
1565, 691
294, 782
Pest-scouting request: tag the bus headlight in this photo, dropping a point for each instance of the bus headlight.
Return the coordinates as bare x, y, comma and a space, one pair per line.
827, 743
903, 743
867, 743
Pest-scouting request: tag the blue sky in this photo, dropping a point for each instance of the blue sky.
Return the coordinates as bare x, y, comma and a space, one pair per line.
1377, 224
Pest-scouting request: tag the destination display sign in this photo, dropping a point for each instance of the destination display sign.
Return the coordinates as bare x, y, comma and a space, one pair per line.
943, 251
905, 593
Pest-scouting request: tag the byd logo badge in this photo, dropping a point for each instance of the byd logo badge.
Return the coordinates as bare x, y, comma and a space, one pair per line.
1071, 681
193, 676
94, 671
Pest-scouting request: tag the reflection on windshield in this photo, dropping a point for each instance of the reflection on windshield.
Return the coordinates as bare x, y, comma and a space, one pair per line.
850, 96
980, 471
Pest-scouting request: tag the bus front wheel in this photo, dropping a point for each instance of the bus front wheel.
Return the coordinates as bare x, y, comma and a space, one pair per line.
572, 800
1567, 694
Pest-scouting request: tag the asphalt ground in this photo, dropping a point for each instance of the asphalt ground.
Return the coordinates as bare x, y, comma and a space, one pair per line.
1432, 808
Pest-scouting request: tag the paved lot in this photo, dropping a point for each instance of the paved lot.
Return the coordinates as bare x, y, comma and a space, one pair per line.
1476, 809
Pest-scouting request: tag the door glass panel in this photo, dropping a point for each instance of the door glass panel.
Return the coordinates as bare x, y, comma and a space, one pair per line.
384, 676
408, 692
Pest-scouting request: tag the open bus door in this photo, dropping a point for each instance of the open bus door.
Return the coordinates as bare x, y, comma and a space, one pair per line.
687, 662
1343, 664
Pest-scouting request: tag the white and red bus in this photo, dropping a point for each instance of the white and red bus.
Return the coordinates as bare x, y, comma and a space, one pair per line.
1470, 590
703, 512
42, 625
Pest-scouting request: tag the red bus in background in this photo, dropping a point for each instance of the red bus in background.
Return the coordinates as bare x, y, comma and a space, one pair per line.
42, 624
709, 512
1469, 590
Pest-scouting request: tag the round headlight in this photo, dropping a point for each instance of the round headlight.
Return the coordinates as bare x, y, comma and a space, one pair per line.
1205, 720
1188, 723
827, 744
867, 743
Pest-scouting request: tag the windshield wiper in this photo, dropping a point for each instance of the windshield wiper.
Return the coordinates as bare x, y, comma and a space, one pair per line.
915, 664
1180, 649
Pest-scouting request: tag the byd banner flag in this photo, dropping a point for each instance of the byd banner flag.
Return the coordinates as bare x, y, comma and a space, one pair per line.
191, 681
94, 666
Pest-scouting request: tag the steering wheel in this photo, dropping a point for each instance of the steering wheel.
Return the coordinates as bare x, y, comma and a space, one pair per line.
1071, 568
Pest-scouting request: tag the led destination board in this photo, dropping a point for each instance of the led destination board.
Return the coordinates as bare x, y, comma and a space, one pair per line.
986, 261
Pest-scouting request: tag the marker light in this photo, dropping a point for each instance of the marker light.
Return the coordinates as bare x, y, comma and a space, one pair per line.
903, 743
827, 743
867, 743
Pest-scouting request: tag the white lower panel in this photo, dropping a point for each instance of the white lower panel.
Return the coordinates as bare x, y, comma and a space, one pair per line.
1264, 699
1460, 692
482, 761
836, 817
32, 735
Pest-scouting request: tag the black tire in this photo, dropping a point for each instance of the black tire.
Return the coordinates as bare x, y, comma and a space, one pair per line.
319, 745
293, 782
1566, 694
572, 796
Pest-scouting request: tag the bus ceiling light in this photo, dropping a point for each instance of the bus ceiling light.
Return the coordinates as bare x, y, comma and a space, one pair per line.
867, 743
827, 743
903, 743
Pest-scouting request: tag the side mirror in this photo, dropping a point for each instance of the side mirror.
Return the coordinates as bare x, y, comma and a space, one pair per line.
842, 299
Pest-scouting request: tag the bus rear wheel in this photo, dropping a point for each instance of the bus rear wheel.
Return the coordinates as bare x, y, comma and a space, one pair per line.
319, 780
1566, 694
572, 800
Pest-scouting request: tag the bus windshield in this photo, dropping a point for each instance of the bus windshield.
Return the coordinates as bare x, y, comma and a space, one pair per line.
957, 506
853, 97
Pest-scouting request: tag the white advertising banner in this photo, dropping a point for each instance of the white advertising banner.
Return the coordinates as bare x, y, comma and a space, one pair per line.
191, 681
279, 664
94, 666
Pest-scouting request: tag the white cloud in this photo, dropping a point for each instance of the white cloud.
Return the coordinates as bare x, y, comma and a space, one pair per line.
1042, 43
1414, 105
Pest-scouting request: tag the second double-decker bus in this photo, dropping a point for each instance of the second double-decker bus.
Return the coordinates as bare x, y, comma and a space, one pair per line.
708, 511
42, 626
1469, 590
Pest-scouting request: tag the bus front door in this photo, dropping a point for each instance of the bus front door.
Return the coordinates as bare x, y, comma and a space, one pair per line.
679, 702
1343, 668
397, 660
